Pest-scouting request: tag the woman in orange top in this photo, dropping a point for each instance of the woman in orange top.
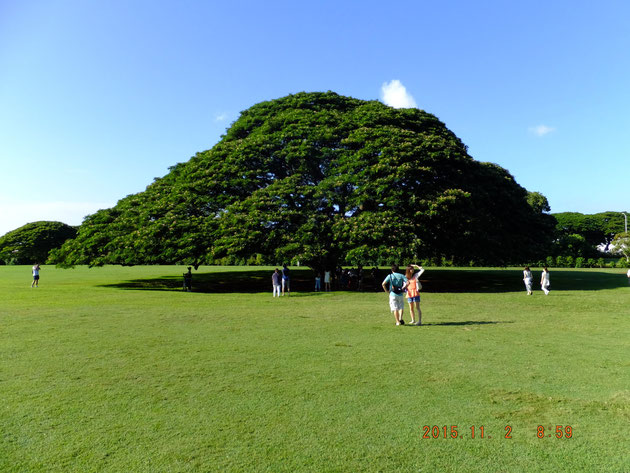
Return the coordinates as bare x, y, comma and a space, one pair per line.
413, 287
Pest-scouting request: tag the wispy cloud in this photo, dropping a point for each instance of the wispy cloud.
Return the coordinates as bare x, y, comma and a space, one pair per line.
541, 130
395, 95
220, 117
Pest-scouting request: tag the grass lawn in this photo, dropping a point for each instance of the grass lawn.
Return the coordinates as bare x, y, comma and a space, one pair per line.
117, 370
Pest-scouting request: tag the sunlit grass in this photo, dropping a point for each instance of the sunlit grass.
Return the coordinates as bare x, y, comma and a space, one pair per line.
116, 369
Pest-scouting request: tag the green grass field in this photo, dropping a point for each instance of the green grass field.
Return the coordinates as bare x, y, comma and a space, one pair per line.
117, 370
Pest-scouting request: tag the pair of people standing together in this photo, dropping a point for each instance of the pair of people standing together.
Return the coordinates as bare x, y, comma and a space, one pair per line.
544, 280
281, 279
398, 285
318, 281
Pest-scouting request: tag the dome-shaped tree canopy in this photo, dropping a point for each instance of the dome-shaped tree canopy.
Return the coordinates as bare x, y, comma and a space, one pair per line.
32, 242
321, 178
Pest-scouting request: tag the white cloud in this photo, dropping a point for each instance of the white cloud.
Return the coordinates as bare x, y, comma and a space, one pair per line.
220, 117
16, 214
395, 95
541, 130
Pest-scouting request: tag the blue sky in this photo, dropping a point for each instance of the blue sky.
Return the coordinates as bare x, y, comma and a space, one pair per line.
97, 98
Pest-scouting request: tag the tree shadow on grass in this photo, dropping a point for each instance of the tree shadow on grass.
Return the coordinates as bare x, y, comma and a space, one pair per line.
254, 281
467, 322
433, 281
510, 280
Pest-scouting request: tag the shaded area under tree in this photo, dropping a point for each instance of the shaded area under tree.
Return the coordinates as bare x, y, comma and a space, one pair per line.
434, 281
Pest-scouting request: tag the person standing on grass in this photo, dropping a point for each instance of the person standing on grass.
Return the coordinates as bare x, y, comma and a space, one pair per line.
413, 287
276, 277
338, 274
394, 283
36, 269
544, 281
188, 280
629, 276
318, 282
286, 280
360, 275
528, 280
327, 281
374, 274
343, 280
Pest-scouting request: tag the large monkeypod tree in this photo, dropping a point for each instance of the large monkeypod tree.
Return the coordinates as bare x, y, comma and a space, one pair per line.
324, 179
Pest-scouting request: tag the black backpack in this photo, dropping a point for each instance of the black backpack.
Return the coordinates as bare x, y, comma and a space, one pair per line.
396, 285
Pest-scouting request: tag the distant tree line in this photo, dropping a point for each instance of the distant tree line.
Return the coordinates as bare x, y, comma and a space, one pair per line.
580, 241
584, 240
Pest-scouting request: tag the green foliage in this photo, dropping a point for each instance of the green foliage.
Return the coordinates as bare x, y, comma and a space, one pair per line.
33, 242
568, 261
323, 179
621, 245
622, 263
574, 245
538, 202
596, 229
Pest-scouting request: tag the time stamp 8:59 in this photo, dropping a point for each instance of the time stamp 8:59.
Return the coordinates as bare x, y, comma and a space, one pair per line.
481, 432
